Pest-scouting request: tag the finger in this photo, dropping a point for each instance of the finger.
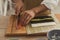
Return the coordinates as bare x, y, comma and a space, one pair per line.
16, 11
27, 16
22, 9
27, 21
23, 18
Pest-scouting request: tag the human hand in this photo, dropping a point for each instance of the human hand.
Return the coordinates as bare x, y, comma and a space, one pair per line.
18, 6
26, 16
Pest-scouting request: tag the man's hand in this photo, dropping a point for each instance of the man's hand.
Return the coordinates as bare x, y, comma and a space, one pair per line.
26, 16
18, 6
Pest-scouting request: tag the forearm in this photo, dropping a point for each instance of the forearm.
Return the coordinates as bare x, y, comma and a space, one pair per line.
40, 8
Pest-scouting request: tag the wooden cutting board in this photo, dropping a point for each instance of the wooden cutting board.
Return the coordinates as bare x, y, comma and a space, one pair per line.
11, 29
